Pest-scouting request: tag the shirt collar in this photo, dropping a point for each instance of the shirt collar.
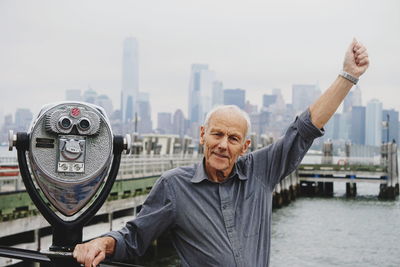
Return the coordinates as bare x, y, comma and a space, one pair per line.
200, 173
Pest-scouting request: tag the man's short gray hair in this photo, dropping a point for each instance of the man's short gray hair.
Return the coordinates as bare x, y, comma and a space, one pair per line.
232, 107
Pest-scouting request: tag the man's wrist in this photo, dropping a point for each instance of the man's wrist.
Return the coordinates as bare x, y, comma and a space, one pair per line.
348, 77
110, 243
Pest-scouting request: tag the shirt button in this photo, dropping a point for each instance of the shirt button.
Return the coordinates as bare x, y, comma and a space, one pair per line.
224, 207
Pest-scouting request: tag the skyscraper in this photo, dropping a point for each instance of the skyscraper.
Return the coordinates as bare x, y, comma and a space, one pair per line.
164, 122
217, 93
357, 96
178, 123
357, 134
373, 123
200, 92
392, 126
235, 97
303, 95
348, 102
269, 100
145, 124
23, 118
105, 102
130, 79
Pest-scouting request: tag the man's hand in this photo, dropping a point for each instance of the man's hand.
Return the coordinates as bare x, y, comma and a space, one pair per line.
93, 252
356, 60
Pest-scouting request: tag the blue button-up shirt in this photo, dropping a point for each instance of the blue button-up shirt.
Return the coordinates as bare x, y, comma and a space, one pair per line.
218, 224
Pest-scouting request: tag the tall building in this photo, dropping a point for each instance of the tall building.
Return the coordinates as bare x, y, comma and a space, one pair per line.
200, 92
269, 100
357, 134
373, 123
235, 97
178, 123
217, 94
250, 108
164, 122
145, 124
391, 130
357, 96
23, 118
89, 96
303, 95
130, 79
105, 102
260, 123
348, 102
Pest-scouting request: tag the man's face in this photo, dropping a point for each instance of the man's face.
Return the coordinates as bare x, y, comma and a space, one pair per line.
224, 140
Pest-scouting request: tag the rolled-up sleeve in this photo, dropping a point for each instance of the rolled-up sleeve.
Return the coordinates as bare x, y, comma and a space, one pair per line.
156, 216
276, 161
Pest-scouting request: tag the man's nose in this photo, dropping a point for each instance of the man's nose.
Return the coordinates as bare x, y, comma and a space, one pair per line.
223, 144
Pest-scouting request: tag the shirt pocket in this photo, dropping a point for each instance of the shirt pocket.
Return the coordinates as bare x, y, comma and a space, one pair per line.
251, 216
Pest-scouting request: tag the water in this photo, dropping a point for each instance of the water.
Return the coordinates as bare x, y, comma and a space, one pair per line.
315, 232
337, 231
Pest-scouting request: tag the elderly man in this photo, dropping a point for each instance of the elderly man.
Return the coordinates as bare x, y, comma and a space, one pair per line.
219, 211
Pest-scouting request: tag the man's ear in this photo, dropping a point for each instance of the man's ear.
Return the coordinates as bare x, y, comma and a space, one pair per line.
245, 146
202, 132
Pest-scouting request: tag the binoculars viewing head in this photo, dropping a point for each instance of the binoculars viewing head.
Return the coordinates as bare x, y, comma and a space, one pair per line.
71, 150
70, 153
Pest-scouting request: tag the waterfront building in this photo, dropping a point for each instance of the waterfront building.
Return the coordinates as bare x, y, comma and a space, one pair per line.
391, 130
235, 97
250, 108
201, 86
348, 102
357, 134
144, 124
217, 93
303, 95
89, 96
357, 96
268, 100
260, 123
373, 123
178, 123
5, 127
130, 79
164, 122
105, 102
23, 118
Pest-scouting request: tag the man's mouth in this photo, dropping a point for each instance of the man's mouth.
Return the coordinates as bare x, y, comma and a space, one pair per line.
221, 155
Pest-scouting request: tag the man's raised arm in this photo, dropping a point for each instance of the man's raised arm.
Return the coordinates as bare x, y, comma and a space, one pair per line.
355, 63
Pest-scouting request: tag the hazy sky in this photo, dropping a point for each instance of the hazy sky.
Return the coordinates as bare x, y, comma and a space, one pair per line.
47, 47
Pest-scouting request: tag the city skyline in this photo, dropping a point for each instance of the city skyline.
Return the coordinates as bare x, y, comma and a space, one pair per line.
256, 47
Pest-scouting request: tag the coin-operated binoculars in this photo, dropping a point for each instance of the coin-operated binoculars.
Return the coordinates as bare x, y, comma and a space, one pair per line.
74, 158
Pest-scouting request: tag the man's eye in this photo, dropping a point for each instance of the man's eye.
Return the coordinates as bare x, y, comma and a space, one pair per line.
234, 138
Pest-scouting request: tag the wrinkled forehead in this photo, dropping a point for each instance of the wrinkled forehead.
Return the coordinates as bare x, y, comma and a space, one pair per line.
228, 119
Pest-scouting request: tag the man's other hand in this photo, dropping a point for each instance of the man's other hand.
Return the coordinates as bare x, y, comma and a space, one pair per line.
94, 251
356, 60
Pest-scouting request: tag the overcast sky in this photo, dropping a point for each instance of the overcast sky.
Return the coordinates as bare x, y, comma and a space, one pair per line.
47, 47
